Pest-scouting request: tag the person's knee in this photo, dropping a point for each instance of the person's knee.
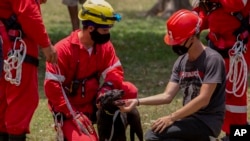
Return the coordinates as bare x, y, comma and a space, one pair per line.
150, 136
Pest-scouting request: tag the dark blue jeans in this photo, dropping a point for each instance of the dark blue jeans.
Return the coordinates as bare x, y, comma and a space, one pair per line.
187, 129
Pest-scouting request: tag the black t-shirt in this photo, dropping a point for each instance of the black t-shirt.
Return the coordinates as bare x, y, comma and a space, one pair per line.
209, 67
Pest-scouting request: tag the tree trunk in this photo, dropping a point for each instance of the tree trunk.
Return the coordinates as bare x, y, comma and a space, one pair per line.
165, 8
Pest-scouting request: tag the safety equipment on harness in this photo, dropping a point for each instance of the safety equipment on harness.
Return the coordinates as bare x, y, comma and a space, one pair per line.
58, 119
99, 12
80, 120
99, 38
11, 37
79, 83
182, 25
14, 61
243, 31
237, 74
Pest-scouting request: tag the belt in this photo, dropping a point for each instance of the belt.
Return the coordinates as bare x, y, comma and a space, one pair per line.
31, 60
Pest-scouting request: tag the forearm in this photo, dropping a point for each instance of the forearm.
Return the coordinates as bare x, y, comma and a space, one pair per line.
163, 98
154, 100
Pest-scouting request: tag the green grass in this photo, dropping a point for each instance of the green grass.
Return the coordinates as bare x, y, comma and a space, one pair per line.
139, 44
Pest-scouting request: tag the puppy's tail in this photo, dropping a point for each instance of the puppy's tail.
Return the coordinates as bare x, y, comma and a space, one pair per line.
134, 120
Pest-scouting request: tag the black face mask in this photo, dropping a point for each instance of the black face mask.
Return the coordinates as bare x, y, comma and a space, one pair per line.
99, 38
181, 49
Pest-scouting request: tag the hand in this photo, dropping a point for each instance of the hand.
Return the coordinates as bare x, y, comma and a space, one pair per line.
50, 54
129, 104
83, 124
161, 123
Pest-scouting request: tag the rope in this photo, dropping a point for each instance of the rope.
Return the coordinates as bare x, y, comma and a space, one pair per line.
112, 129
58, 125
114, 118
14, 62
237, 74
68, 103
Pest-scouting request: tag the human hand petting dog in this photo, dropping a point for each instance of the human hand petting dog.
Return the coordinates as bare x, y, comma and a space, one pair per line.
128, 104
158, 126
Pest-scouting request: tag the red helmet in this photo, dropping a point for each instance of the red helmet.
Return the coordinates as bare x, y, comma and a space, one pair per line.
181, 25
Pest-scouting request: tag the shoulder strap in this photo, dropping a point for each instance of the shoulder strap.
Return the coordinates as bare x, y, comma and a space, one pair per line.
243, 20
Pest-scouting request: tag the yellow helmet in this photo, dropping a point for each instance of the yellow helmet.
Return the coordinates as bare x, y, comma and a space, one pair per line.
99, 12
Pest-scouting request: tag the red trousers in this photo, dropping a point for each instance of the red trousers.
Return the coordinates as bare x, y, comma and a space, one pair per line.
70, 131
18, 103
236, 107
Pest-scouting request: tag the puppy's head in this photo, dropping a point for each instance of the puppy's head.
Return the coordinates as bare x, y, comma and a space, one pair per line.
108, 99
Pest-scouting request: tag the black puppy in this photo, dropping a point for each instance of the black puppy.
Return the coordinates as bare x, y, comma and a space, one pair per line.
112, 124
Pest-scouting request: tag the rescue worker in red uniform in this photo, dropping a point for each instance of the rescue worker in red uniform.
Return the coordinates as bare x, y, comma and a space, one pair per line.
74, 85
22, 32
228, 24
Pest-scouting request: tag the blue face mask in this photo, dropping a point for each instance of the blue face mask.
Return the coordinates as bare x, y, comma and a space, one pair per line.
181, 49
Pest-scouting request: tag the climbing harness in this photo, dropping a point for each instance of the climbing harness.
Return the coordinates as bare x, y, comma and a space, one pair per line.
14, 61
73, 114
237, 74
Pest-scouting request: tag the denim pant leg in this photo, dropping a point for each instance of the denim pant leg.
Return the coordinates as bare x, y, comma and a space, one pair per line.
187, 129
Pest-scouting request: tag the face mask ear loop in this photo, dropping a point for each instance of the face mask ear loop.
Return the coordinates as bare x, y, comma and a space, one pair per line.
185, 42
